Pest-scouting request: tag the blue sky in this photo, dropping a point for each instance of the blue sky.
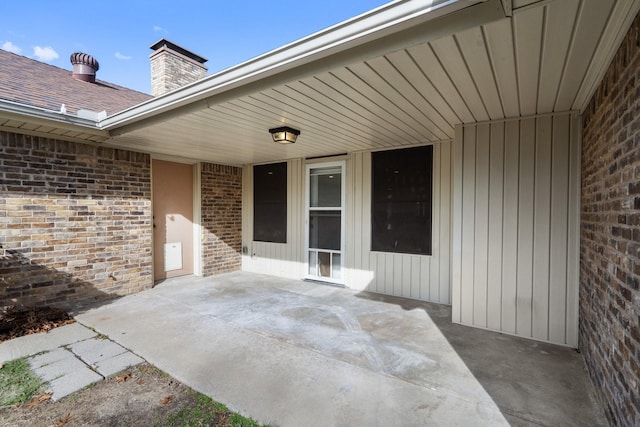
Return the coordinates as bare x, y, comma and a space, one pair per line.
118, 33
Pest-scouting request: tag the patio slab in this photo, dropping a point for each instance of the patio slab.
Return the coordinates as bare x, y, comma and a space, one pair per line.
293, 353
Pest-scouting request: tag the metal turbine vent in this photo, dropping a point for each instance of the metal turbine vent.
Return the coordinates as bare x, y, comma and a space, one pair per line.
84, 67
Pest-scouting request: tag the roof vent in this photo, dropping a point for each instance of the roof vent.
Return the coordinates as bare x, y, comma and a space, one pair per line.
84, 67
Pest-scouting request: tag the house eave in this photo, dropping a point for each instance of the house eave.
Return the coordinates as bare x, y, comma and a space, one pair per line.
381, 30
24, 118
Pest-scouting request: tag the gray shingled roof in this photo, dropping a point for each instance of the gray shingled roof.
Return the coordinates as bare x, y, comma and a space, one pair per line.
27, 81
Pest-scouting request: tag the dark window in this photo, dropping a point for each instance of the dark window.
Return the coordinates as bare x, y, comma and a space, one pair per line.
270, 203
401, 200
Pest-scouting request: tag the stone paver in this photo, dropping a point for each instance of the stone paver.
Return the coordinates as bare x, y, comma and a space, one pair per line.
37, 343
96, 349
73, 382
117, 363
69, 358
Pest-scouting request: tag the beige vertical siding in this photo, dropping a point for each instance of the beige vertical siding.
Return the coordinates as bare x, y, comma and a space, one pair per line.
412, 276
515, 218
278, 259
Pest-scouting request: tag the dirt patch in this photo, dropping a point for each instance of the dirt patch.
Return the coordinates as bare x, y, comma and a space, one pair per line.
16, 322
139, 396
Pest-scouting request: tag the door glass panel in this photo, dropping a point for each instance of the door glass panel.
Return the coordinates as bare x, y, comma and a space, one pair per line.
326, 187
324, 261
313, 264
336, 271
324, 230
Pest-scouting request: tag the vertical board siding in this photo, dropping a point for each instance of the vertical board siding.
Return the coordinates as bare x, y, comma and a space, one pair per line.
573, 231
558, 231
412, 276
510, 227
278, 259
456, 225
481, 232
419, 277
468, 223
515, 217
526, 177
541, 223
494, 251
443, 276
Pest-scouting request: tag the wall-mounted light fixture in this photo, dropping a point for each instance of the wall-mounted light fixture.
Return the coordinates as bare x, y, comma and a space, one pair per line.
284, 135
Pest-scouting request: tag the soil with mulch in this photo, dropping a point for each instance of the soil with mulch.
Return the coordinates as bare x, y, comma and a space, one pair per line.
16, 322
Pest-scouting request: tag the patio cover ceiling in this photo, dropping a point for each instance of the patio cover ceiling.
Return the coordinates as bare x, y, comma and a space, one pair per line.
404, 74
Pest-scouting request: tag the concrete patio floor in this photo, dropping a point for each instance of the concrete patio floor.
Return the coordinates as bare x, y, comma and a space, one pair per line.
294, 353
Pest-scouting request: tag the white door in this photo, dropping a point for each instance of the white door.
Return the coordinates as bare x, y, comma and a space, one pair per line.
325, 219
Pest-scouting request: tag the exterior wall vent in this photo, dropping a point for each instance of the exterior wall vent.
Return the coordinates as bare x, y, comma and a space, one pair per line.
84, 67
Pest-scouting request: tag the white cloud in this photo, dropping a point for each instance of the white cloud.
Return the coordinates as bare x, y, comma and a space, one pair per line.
45, 54
159, 29
118, 55
10, 47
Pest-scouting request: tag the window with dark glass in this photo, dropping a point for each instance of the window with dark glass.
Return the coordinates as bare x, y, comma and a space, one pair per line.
401, 200
270, 203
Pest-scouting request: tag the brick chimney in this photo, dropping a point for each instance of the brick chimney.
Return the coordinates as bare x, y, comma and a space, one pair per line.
173, 66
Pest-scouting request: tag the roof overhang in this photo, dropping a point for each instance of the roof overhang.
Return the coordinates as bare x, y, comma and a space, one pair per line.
392, 26
403, 74
16, 117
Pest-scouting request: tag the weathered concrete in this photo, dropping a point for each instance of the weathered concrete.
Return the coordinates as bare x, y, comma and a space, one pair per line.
69, 358
64, 372
104, 356
36, 343
533, 383
295, 353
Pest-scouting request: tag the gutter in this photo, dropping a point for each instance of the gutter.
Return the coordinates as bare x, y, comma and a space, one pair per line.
44, 117
392, 26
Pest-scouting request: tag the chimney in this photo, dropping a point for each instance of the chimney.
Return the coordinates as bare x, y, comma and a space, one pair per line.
173, 66
84, 67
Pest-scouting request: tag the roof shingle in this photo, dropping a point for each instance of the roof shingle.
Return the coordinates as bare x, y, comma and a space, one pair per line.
27, 81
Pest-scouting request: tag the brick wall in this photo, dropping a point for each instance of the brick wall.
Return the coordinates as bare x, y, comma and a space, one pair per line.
610, 235
170, 70
221, 218
75, 222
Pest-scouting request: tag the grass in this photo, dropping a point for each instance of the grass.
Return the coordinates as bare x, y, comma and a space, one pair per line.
17, 383
206, 412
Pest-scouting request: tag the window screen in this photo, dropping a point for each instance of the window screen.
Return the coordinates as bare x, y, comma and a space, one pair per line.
401, 200
270, 203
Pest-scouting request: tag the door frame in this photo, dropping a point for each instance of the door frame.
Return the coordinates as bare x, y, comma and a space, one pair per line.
343, 216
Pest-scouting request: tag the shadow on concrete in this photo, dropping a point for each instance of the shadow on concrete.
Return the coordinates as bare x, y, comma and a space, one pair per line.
532, 382
25, 284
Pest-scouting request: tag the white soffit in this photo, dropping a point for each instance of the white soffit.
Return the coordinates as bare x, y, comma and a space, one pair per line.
392, 25
548, 57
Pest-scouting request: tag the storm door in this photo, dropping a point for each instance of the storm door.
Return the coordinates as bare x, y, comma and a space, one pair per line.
325, 221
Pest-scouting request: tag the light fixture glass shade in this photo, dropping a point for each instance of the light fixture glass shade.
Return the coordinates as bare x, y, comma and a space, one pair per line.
284, 135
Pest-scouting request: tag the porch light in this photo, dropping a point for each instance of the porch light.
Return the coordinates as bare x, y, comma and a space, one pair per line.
284, 135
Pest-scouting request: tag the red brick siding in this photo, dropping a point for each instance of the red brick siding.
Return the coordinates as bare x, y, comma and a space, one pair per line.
221, 188
610, 235
75, 222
